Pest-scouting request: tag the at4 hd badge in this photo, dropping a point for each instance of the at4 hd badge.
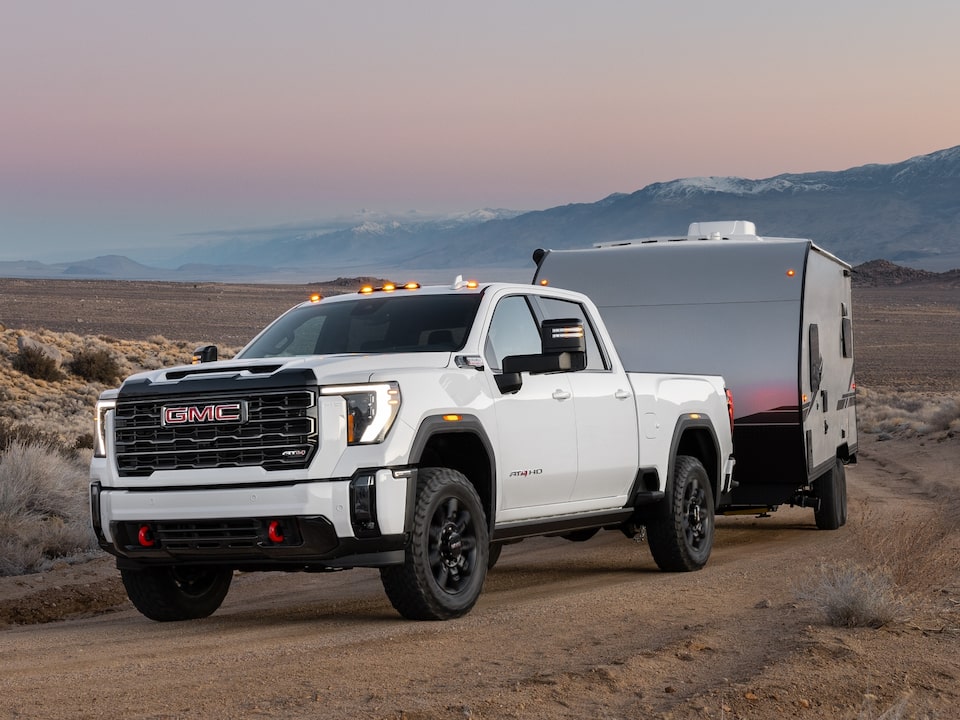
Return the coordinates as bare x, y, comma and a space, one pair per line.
228, 412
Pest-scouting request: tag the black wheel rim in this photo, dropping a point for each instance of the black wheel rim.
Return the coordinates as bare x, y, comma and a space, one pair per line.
195, 582
453, 546
696, 517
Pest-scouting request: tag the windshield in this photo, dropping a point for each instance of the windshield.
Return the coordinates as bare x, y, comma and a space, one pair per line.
384, 324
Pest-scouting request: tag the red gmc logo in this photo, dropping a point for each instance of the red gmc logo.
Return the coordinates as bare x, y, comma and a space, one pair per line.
199, 414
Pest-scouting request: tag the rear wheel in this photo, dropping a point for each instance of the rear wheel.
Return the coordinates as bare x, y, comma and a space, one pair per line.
682, 541
447, 553
831, 490
177, 593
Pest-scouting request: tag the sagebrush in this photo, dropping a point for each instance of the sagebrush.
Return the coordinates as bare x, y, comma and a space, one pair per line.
44, 515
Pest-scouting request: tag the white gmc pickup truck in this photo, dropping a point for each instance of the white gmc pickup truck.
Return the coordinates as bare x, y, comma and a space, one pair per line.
413, 429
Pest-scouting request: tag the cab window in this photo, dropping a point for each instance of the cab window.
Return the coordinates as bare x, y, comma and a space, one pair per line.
513, 331
555, 309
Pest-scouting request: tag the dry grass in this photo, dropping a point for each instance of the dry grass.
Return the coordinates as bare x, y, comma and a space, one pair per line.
901, 572
908, 414
43, 507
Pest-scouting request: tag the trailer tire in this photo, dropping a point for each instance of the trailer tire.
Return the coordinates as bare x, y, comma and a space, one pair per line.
831, 490
447, 551
682, 540
168, 594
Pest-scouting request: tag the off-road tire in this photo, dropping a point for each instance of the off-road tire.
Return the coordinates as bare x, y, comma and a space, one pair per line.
166, 594
831, 489
494, 554
446, 553
682, 540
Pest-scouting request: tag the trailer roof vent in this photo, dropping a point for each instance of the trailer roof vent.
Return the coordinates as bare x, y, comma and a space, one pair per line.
722, 230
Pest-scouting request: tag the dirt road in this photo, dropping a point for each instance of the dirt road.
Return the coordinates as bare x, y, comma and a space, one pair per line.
563, 630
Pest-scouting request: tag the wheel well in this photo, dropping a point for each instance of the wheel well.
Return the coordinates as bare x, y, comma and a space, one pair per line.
464, 452
699, 442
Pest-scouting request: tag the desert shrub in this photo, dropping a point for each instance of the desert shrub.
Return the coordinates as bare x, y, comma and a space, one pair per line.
43, 508
96, 366
909, 414
26, 434
37, 364
851, 595
896, 571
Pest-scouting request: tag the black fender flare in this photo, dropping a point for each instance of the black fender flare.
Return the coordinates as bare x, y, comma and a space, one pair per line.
685, 424
434, 425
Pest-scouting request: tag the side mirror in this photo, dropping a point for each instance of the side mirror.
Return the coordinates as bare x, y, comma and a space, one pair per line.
563, 349
205, 354
559, 336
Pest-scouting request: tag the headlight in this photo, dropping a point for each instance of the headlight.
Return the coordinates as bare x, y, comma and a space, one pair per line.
100, 427
371, 410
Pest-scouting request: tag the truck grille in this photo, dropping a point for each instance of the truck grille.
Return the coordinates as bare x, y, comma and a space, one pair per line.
276, 430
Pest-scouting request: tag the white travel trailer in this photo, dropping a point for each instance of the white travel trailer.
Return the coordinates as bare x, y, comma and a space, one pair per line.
772, 315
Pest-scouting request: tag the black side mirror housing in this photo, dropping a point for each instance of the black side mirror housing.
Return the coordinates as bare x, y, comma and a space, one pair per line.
564, 349
204, 354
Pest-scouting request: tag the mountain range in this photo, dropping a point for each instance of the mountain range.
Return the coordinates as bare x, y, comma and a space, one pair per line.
906, 212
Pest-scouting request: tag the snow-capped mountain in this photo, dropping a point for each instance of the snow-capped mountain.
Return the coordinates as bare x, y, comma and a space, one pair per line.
907, 212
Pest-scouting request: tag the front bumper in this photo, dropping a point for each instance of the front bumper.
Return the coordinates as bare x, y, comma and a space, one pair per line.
355, 522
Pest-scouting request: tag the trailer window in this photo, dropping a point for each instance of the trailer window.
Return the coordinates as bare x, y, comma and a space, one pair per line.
554, 309
816, 361
846, 332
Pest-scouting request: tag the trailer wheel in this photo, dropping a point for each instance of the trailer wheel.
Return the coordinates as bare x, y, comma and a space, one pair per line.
682, 541
447, 551
177, 593
831, 489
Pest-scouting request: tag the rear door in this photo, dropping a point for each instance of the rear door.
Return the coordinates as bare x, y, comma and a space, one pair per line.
605, 414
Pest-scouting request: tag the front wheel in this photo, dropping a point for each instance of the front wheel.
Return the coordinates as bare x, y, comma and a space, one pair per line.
447, 551
831, 490
682, 540
177, 593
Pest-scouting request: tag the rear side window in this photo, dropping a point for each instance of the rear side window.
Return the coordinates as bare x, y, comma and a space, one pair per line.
555, 309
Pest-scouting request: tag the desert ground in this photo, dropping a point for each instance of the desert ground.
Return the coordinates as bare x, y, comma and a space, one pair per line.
563, 630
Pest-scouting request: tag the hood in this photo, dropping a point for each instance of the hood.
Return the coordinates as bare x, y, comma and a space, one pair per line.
326, 368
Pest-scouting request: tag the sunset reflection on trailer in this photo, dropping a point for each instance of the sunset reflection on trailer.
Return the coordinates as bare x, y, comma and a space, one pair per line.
772, 315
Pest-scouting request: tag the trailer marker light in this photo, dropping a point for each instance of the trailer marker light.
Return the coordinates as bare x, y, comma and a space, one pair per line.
791, 272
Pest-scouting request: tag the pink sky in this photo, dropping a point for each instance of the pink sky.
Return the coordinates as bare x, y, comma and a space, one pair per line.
126, 125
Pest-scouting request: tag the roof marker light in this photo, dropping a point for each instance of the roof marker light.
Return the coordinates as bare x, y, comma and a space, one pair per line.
791, 272
388, 287
453, 418
412, 286
544, 282
316, 297
366, 289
